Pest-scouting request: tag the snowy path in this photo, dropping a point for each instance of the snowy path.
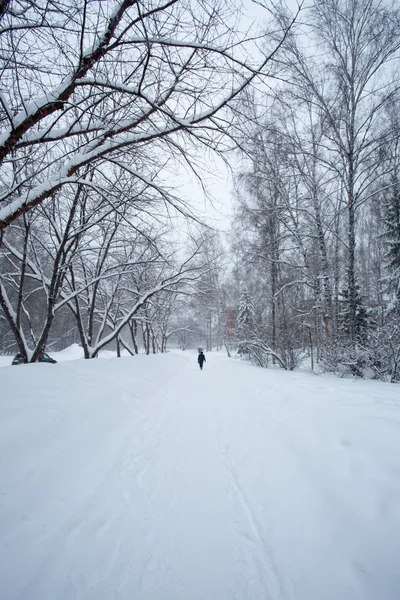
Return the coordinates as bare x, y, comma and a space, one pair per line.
147, 479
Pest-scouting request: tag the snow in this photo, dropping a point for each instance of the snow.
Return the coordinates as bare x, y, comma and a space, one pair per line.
30, 108
57, 133
144, 477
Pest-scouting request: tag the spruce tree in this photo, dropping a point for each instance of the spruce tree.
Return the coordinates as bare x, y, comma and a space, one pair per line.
392, 234
245, 321
361, 318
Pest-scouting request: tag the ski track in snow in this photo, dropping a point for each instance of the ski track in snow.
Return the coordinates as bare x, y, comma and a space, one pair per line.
147, 478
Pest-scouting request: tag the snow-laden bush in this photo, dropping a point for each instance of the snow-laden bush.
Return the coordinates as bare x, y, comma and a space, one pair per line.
377, 358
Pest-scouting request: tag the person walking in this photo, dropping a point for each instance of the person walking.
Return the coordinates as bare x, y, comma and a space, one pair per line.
201, 359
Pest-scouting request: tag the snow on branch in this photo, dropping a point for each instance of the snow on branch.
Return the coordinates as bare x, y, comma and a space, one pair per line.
162, 94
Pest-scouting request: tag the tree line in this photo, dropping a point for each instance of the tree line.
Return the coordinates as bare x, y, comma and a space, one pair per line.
317, 229
101, 105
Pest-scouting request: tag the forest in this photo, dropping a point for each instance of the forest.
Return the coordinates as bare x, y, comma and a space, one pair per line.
105, 104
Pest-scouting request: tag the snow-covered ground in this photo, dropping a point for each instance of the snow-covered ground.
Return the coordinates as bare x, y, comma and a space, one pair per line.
71, 353
145, 478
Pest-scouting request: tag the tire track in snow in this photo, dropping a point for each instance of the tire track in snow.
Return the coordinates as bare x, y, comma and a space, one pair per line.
151, 428
140, 486
268, 572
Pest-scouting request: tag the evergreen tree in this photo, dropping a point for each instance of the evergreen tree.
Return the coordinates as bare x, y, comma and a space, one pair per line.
361, 320
392, 234
245, 321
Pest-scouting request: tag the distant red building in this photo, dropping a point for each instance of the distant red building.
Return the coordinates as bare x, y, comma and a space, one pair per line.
230, 324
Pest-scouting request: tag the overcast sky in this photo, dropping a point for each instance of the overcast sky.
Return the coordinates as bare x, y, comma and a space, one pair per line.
218, 209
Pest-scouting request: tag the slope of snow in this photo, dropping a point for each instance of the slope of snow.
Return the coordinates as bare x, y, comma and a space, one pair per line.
145, 478
73, 352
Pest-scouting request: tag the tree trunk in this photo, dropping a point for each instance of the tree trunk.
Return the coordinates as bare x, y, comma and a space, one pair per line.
118, 347
133, 330
351, 260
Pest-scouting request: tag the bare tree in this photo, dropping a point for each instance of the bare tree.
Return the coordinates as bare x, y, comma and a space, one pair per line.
113, 77
351, 88
163, 279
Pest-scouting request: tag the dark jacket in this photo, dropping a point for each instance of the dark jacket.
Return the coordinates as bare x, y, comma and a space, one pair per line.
201, 358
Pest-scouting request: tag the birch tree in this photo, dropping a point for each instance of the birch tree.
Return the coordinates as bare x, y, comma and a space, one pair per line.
351, 88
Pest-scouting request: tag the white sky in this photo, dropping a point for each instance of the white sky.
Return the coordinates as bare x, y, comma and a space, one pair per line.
218, 208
